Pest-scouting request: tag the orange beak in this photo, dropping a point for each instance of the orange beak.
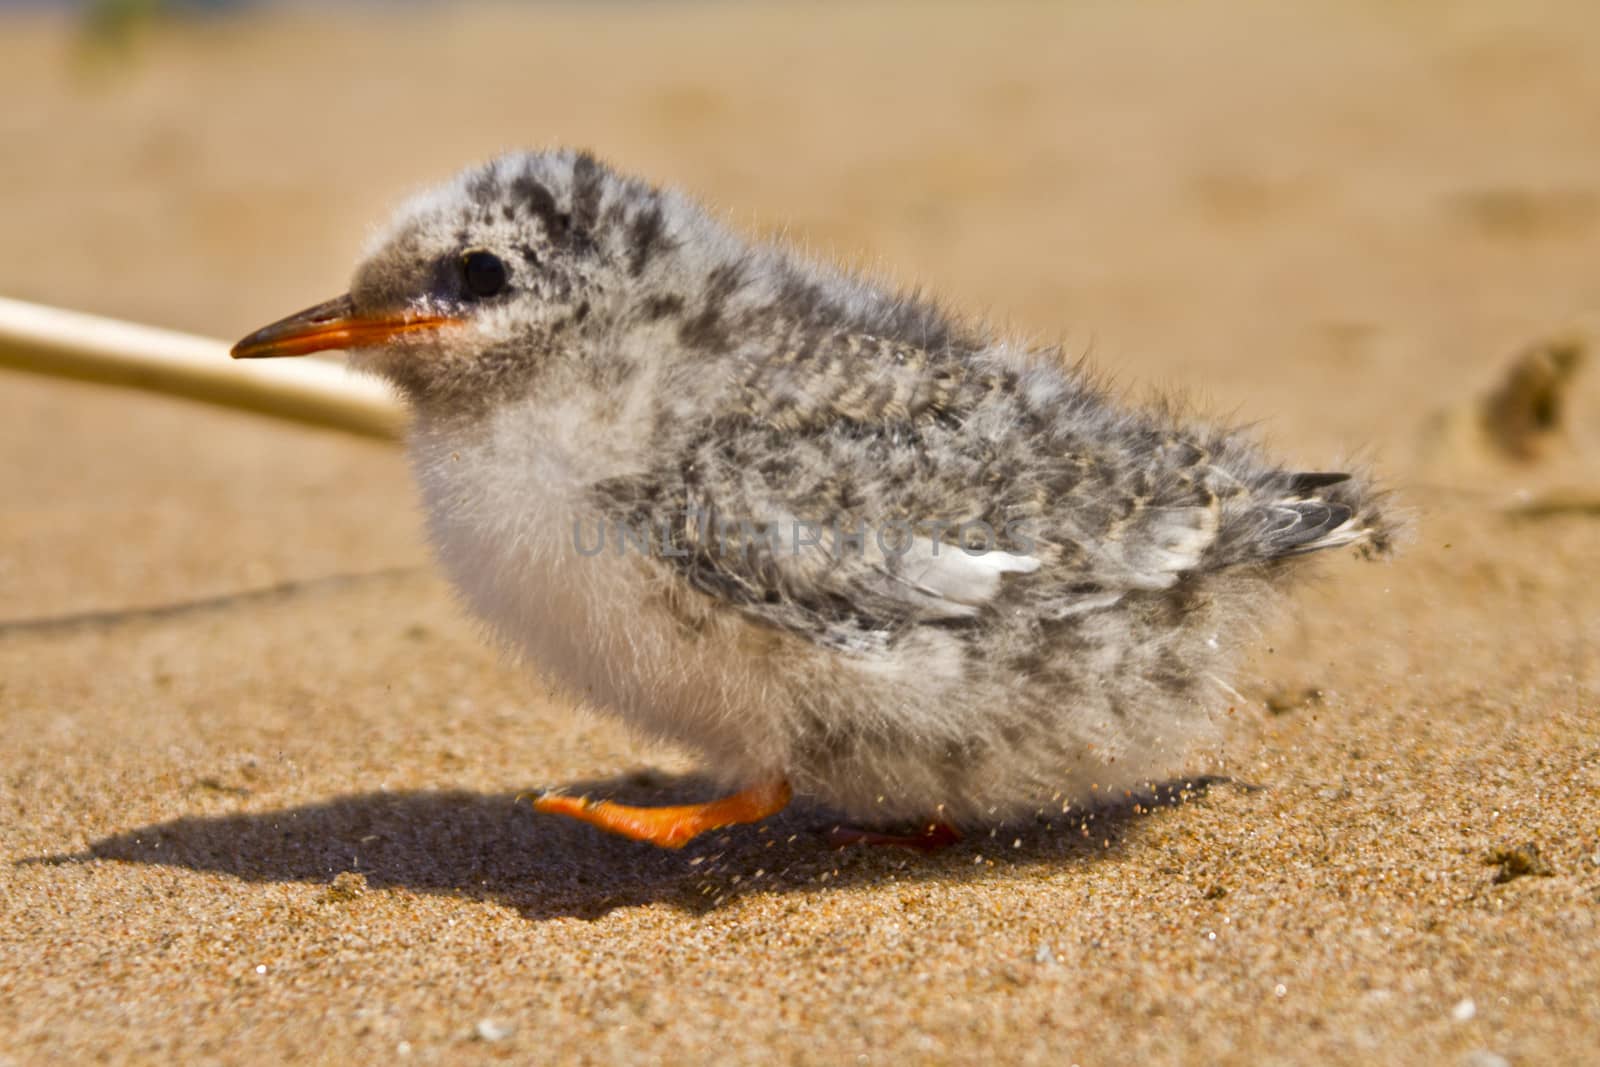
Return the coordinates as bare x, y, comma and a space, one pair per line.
333, 324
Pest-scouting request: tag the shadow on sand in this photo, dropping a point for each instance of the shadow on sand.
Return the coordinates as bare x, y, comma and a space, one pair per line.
490, 847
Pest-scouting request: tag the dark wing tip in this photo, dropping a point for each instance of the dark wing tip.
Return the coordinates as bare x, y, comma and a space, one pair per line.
1305, 526
1309, 481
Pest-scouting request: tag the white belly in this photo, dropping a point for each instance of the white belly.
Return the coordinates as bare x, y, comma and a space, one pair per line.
513, 532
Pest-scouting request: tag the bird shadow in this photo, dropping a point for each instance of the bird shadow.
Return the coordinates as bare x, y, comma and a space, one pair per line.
494, 847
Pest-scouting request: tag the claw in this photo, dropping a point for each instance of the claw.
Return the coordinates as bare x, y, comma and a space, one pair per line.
933, 837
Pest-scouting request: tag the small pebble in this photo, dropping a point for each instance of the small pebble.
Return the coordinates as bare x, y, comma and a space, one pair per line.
1464, 1010
1482, 1057
1519, 861
493, 1030
346, 885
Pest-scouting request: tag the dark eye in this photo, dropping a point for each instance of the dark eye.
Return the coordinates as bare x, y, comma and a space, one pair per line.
483, 272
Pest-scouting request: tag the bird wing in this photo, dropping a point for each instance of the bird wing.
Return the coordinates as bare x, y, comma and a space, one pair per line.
859, 486
793, 554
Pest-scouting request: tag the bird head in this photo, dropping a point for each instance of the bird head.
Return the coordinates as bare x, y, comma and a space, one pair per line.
487, 283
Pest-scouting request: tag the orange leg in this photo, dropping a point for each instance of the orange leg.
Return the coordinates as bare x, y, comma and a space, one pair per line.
934, 836
670, 827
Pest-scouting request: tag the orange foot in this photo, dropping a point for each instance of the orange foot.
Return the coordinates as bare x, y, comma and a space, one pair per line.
671, 827
934, 836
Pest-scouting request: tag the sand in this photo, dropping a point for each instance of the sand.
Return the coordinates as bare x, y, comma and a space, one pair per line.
257, 772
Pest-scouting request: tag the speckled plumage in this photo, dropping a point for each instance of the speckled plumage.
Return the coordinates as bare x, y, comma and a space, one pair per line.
649, 371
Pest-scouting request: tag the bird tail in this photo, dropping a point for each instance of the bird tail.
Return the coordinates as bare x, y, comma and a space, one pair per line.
1314, 510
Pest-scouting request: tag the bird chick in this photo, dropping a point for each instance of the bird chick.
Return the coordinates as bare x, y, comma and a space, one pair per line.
833, 539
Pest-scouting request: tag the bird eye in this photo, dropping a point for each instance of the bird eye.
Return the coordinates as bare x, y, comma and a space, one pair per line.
483, 272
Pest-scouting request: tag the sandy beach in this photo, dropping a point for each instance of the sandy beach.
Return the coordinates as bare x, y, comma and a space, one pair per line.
258, 771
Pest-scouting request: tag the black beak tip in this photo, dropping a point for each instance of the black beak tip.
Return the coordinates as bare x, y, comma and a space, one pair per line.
262, 341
